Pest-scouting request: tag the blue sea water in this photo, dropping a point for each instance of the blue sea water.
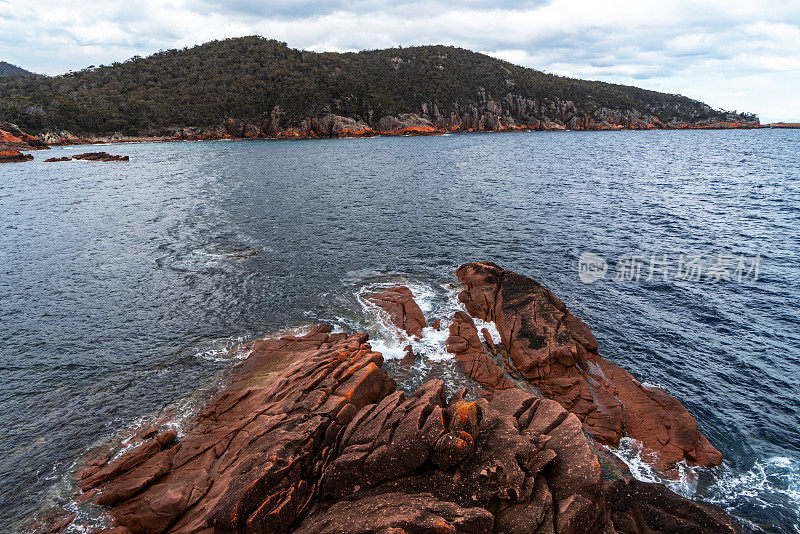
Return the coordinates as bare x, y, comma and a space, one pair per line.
123, 286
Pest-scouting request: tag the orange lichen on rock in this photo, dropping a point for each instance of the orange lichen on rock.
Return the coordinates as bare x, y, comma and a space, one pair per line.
14, 156
556, 352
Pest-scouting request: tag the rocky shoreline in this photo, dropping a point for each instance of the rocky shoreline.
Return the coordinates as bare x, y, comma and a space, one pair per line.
310, 435
13, 140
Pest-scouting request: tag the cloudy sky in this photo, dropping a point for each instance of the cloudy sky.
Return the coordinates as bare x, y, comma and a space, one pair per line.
731, 54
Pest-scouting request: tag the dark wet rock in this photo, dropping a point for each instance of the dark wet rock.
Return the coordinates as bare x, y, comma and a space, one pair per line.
398, 303
53, 160
555, 351
99, 156
410, 356
635, 506
245, 253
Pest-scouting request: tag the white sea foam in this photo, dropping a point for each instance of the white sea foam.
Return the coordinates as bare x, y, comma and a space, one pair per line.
770, 482
768, 477
224, 349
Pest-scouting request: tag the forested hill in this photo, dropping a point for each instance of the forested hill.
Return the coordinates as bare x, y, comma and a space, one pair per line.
263, 87
7, 69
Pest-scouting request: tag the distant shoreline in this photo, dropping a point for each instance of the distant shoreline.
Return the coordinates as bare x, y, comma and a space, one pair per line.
283, 136
28, 143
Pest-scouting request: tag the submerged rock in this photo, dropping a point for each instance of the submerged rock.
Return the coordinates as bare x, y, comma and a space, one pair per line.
556, 352
99, 156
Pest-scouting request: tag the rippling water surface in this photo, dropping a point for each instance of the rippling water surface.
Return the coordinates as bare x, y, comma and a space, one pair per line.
123, 286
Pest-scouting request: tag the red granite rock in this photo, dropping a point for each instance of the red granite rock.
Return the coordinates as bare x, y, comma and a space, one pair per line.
310, 436
556, 352
399, 304
472, 358
635, 506
249, 460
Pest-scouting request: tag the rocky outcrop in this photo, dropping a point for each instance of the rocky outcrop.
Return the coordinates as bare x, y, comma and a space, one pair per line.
12, 138
407, 124
99, 156
399, 305
89, 156
556, 352
310, 435
518, 464
510, 114
13, 156
252, 459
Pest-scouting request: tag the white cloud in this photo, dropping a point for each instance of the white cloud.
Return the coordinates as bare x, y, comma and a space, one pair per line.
729, 53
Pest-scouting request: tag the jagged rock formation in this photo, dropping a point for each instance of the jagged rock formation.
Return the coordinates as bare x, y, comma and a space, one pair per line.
99, 156
556, 352
252, 460
311, 436
471, 357
399, 304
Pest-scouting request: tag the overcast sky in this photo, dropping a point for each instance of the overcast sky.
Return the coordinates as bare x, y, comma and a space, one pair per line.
730, 54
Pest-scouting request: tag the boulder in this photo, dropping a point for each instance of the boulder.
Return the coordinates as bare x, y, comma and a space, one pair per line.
399, 304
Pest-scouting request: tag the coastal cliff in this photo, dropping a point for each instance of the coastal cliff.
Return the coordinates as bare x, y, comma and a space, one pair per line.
311, 435
251, 87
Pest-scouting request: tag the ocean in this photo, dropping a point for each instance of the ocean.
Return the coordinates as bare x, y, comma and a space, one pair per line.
125, 288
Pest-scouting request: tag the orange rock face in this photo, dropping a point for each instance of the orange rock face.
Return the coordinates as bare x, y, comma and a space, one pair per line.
12, 138
13, 156
556, 352
248, 463
399, 304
